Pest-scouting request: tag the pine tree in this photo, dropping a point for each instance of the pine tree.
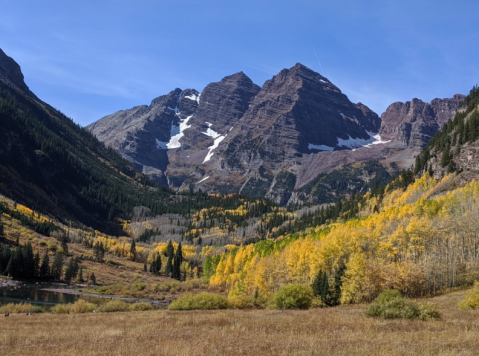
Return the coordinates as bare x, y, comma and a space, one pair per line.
93, 278
336, 295
318, 281
57, 266
36, 262
2, 229
133, 250
45, 267
169, 263
80, 276
176, 273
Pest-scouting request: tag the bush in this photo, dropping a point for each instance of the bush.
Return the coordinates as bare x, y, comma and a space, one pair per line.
114, 306
472, 298
202, 301
20, 308
428, 311
293, 296
60, 309
81, 306
390, 304
140, 307
241, 302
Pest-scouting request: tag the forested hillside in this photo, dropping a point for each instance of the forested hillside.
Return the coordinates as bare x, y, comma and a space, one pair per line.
418, 236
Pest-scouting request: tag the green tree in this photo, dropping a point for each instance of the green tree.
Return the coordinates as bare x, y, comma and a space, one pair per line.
45, 267
133, 250
57, 266
2, 229
80, 276
176, 272
93, 278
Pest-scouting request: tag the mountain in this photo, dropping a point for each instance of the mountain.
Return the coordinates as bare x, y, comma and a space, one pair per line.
51, 164
454, 149
269, 141
414, 123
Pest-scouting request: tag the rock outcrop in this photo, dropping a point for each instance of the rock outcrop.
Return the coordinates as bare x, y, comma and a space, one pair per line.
268, 141
412, 124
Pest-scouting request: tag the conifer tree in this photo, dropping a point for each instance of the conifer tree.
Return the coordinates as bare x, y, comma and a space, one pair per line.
2, 229
80, 276
176, 273
93, 278
45, 267
57, 266
133, 250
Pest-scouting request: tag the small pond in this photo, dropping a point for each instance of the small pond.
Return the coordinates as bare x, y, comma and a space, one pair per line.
33, 293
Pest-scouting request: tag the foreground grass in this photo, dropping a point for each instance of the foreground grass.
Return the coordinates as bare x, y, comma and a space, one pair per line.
334, 331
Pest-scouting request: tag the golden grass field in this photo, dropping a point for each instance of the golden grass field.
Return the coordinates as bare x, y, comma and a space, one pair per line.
334, 331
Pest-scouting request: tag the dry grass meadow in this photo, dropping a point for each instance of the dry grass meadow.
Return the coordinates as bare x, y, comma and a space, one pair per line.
334, 331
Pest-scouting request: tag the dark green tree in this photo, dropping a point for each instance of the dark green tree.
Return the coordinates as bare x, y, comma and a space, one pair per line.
133, 250
176, 272
80, 276
57, 266
2, 229
45, 267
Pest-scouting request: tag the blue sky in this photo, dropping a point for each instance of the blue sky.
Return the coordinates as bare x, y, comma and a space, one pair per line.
90, 59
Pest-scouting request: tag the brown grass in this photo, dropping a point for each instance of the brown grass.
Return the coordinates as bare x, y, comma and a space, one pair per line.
334, 331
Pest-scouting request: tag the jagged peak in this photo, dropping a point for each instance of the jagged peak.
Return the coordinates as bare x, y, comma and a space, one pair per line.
237, 77
11, 72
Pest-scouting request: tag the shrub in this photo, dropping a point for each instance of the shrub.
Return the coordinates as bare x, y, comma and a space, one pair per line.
428, 311
472, 298
114, 306
293, 296
201, 301
81, 306
390, 304
20, 308
241, 302
140, 307
60, 309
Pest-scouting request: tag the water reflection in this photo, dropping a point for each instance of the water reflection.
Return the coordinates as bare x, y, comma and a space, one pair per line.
33, 293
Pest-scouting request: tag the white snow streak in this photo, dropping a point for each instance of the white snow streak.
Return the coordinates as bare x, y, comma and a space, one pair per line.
211, 133
374, 139
211, 148
193, 97
205, 178
177, 133
320, 147
352, 143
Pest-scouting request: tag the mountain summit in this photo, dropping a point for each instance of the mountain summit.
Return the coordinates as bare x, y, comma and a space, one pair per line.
268, 141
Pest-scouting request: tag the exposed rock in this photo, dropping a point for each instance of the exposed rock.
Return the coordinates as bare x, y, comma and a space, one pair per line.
11, 74
269, 141
412, 124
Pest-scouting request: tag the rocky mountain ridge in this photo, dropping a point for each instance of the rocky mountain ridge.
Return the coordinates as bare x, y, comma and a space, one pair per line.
268, 141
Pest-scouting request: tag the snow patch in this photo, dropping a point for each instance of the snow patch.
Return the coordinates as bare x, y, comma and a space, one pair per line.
374, 139
211, 133
320, 147
377, 139
211, 148
323, 81
178, 132
161, 145
205, 178
193, 97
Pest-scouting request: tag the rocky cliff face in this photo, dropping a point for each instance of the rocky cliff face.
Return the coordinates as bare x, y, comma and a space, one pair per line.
412, 124
268, 141
11, 74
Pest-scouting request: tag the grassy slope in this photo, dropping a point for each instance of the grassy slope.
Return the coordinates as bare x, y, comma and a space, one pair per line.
333, 331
